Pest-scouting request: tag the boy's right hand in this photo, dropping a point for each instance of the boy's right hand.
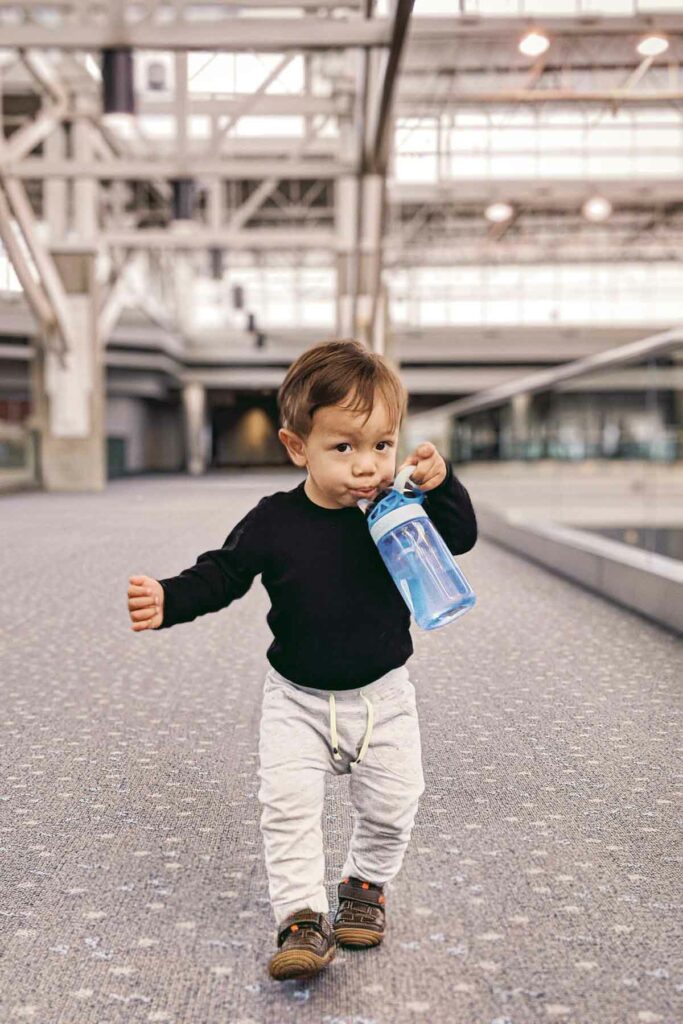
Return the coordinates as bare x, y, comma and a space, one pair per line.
145, 603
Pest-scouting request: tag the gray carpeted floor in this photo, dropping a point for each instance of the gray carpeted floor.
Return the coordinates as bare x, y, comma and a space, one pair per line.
544, 879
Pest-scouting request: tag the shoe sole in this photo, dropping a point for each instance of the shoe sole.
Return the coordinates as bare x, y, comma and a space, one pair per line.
298, 963
357, 938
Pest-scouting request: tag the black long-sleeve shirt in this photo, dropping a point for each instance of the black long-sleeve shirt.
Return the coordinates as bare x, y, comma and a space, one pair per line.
337, 617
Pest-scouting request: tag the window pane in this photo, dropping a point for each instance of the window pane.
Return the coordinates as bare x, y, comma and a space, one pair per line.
272, 127
416, 168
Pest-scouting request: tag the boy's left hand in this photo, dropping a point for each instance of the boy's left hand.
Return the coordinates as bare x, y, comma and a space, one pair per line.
430, 468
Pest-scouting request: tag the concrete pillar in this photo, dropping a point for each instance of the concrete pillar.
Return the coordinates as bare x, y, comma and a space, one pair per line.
196, 430
69, 399
520, 423
372, 222
346, 214
361, 309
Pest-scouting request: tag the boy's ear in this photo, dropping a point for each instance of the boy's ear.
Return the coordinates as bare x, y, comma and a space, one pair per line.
294, 445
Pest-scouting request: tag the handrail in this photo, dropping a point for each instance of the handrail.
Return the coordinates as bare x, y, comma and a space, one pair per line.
542, 380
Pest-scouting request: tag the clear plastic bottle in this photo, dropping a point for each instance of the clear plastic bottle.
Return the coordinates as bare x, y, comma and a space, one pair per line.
416, 555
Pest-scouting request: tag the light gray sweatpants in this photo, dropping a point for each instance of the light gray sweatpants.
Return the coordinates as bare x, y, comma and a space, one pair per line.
371, 733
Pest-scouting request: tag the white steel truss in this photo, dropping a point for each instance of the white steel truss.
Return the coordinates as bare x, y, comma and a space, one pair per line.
262, 193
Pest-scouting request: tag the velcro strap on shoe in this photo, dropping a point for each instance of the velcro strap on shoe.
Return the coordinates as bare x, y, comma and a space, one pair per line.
302, 918
363, 892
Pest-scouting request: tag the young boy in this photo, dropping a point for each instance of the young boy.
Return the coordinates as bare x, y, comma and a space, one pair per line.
337, 697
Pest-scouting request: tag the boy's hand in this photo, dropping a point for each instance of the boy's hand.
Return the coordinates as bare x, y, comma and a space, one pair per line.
145, 603
430, 468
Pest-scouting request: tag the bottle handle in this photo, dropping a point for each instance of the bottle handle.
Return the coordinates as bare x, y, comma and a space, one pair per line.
402, 478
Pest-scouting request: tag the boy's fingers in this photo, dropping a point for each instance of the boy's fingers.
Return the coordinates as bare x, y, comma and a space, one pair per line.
431, 481
422, 470
139, 591
137, 627
141, 602
143, 614
149, 623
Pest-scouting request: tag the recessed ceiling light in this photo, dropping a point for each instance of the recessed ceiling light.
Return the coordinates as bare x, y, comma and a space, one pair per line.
534, 44
597, 208
652, 46
498, 213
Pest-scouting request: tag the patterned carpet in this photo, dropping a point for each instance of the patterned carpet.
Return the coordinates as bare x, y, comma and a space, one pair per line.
544, 878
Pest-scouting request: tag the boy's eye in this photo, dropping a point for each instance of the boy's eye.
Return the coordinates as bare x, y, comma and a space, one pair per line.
345, 444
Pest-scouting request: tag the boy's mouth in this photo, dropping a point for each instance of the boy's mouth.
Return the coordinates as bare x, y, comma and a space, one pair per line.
364, 492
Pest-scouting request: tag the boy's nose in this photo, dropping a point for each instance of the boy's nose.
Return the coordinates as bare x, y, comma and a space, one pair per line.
365, 467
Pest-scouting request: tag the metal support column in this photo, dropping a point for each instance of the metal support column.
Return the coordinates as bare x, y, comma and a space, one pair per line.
55, 198
346, 213
370, 276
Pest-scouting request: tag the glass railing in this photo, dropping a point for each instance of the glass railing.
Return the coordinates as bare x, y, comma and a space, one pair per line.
595, 445
17, 455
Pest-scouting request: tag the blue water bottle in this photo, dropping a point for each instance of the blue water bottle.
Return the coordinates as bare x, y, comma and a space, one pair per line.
416, 554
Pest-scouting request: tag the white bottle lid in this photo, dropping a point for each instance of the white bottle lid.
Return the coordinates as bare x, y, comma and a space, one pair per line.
402, 514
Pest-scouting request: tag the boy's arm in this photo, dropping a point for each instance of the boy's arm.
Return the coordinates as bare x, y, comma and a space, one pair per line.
219, 576
450, 508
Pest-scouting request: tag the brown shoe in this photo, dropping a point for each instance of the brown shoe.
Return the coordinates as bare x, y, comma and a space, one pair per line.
305, 945
360, 919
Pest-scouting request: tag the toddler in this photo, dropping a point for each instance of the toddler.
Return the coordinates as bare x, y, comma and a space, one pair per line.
337, 696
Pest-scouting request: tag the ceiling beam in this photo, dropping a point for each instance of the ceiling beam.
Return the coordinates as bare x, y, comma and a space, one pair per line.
198, 237
315, 33
270, 35
530, 253
472, 26
233, 106
76, 6
541, 193
511, 97
197, 167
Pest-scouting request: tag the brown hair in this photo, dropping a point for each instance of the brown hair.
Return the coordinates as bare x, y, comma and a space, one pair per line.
327, 373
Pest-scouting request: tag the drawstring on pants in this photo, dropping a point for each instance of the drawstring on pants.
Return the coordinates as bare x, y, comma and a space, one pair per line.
333, 730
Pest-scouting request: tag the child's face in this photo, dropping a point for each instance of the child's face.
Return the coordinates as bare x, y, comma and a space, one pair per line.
346, 459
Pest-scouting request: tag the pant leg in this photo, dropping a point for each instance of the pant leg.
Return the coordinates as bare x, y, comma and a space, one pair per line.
293, 762
385, 790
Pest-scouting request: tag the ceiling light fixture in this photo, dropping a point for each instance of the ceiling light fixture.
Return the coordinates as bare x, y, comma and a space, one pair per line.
534, 44
498, 213
597, 209
652, 46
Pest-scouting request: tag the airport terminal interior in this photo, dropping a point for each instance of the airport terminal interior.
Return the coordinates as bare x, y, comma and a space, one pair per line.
488, 193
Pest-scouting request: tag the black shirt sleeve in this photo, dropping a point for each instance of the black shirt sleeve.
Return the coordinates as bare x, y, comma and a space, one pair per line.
219, 576
450, 509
